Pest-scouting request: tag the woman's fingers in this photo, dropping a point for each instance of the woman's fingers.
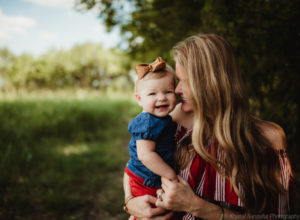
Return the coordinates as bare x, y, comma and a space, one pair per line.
150, 199
167, 184
142, 207
165, 181
157, 213
164, 201
160, 203
181, 180
176, 194
167, 216
157, 210
159, 194
170, 185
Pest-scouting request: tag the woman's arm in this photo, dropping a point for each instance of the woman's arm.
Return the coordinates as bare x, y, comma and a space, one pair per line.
142, 207
179, 196
147, 155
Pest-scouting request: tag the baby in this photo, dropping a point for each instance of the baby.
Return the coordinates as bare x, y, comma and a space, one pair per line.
152, 145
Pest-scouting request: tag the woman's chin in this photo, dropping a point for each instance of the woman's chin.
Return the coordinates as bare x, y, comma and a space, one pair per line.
186, 106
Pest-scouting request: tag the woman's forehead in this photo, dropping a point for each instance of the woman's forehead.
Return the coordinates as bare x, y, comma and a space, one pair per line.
180, 71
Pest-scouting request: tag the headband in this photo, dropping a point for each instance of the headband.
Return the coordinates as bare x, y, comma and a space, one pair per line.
143, 69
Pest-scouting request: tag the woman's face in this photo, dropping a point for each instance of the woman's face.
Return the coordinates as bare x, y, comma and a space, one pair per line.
182, 89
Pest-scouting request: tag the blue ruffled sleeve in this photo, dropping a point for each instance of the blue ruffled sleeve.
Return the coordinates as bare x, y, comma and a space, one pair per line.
147, 127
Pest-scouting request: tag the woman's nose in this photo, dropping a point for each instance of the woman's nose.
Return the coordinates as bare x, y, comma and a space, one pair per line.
178, 89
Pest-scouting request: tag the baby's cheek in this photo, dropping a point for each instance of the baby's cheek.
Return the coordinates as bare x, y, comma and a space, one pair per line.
174, 100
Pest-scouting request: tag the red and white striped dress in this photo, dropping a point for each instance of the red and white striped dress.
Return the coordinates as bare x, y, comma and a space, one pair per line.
215, 188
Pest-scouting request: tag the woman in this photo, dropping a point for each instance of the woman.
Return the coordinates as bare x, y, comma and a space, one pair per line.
230, 162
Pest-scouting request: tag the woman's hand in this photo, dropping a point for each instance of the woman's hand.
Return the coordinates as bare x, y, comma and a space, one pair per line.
179, 196
176, 195
142, 208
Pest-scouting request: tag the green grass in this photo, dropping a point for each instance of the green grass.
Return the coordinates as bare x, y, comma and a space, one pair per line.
62, 155
63, 158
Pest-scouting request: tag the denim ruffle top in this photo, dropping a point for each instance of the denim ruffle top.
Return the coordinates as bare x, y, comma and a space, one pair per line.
161, 130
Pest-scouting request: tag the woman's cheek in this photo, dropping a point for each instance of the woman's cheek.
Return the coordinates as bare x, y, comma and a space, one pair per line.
186, 106
186, 92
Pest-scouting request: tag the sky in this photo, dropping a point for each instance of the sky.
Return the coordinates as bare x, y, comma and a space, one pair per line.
35, 26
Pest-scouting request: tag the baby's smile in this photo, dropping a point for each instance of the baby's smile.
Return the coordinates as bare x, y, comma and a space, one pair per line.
162, 106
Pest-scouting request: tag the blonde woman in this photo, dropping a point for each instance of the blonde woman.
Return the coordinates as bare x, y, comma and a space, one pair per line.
232, 165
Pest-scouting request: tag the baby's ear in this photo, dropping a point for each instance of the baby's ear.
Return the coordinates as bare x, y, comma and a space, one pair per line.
138, 99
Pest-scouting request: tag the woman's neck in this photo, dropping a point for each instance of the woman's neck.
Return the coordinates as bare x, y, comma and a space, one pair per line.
188, 120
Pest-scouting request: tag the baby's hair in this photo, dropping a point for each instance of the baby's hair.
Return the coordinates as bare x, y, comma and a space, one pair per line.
156, 75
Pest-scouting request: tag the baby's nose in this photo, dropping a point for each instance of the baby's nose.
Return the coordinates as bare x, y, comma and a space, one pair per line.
161, 96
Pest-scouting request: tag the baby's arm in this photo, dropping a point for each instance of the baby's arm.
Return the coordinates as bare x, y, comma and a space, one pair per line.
147, 155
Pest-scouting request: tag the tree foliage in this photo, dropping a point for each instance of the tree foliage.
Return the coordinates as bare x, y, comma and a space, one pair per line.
87, 65
264, 33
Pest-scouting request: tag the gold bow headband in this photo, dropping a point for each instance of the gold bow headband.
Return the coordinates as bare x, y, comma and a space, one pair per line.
143, 69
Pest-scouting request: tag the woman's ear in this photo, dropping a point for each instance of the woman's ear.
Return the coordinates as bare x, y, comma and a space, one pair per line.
138, 99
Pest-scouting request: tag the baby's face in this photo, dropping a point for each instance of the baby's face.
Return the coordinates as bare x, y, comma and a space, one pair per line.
157, 96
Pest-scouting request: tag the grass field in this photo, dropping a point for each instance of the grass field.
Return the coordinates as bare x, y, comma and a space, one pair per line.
63, 155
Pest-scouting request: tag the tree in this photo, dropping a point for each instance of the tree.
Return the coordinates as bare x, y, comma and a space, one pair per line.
264, 33
6, 59
86, 65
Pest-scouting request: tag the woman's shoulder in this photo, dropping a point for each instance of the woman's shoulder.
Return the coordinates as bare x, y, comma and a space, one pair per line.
274, 133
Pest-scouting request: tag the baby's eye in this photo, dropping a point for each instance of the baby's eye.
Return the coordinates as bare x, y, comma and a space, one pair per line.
152, 93
170, 91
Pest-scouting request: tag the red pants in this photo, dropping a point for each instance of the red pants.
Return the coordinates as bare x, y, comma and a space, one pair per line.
138, 189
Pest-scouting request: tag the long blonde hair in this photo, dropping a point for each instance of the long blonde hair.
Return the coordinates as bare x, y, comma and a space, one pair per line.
221, 113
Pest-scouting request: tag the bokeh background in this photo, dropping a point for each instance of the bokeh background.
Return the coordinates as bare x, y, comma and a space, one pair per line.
66, 90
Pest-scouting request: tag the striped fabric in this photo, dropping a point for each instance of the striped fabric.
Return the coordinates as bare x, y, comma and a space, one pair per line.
213, 187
